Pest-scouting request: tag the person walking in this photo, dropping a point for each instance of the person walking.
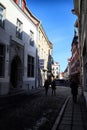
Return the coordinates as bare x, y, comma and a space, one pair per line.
53, 87
74, 89
46, 85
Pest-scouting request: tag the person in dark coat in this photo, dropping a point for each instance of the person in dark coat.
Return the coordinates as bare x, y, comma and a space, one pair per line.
74, 89
46, 85
53, 87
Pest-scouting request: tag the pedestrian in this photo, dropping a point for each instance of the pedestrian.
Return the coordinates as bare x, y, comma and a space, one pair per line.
46, 85
53, 85
74, 89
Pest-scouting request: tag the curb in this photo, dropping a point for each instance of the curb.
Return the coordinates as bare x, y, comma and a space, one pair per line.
60, 115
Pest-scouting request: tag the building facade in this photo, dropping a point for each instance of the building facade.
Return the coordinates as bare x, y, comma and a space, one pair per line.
75, 59
56, 70
23, 46
45, 48
18, 46
80, 9
66, 73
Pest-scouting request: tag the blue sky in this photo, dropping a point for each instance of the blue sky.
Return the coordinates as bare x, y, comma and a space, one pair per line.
58, 23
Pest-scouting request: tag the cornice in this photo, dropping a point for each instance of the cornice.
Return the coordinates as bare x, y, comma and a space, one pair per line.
32, 17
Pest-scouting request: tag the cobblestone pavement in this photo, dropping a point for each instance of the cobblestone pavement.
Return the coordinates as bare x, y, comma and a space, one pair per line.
37, 112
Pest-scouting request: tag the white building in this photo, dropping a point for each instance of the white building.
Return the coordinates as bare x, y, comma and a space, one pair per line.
18, 46
56, 70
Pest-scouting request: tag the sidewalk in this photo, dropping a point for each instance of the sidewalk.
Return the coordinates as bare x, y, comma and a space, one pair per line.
74, 116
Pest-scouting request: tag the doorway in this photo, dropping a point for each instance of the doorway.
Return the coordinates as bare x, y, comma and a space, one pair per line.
16, 73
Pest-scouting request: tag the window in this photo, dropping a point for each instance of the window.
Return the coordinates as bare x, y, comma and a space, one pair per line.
42, 40
32, 38
31, 42
19, 29
30, 67
20, 3
2, 15
39, 35
56, 72
32, 35
56, 68
2, 60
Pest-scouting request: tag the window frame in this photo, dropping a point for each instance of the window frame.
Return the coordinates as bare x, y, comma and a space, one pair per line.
2, 15
30, 66
31, 38
32, 34
19, 26
2, 60
20, 3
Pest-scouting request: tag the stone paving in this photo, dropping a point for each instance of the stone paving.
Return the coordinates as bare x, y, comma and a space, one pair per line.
37, 112
75, 116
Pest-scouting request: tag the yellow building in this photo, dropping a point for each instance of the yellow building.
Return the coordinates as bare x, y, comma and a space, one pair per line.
44, 54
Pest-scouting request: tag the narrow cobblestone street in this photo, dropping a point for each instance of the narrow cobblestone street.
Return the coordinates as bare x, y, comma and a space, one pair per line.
36, 112
43, 65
